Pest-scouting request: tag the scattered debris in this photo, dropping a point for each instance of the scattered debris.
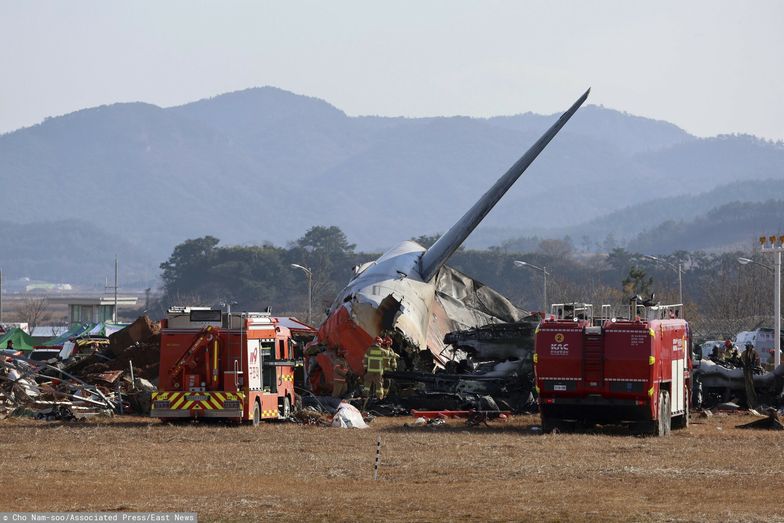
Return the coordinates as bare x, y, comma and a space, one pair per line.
312, 416
489, 366
771, 422
87, 377
721, 382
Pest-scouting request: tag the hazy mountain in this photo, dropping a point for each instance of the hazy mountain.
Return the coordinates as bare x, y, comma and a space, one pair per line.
71, 251
736, 225
629, 134
625, 224
264, 165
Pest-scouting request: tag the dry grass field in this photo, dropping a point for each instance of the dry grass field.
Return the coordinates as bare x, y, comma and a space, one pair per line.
288, 472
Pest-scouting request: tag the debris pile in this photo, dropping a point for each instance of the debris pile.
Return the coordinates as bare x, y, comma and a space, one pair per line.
771, 422
89, 377
490, 369
719, 383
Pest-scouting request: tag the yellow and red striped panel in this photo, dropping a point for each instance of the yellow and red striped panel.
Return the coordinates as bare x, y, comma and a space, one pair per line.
198, 400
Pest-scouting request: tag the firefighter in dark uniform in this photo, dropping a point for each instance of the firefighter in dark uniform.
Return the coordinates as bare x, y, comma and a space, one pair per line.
339, 375
751, 365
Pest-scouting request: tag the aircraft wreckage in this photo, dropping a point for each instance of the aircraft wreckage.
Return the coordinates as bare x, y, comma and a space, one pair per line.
411, 295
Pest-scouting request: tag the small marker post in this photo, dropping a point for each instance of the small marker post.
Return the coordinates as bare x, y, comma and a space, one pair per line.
378, 458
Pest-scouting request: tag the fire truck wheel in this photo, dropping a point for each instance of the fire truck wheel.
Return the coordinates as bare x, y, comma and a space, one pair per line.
285, 410
256, 414
665, 414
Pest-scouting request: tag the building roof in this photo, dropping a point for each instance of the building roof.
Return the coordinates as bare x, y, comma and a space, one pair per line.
95, 300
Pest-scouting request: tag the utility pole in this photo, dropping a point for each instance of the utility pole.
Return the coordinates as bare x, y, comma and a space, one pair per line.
775, 245
1, 295
116, 267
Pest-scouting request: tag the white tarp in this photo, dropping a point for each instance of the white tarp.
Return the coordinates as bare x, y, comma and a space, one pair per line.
67, 350
347, 416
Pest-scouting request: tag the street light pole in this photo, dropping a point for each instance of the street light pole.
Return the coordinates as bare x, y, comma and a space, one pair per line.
777, 312
678, 269
309, 273
544, 272
775, 245
746, 261
116, 269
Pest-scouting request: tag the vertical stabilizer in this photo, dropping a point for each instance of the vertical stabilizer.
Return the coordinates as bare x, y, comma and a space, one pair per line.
437, 255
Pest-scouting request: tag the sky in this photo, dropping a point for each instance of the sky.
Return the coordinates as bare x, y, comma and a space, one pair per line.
711, 67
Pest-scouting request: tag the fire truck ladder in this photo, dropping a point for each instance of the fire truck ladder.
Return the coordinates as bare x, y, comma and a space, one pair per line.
593, 359
186, 360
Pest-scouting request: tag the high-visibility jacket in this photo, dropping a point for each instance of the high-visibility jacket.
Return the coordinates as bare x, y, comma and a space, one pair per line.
391, 359
374, 359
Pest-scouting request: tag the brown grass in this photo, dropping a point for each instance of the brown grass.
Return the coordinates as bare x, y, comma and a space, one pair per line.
287, 472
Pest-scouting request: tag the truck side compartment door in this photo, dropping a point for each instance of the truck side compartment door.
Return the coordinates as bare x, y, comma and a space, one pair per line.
255, 381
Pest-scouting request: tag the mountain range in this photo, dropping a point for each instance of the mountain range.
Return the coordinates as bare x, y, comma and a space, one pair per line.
264, 165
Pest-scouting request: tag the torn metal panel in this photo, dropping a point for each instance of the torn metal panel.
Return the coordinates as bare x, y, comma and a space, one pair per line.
493, 361
89, 383
499, 341
110, 376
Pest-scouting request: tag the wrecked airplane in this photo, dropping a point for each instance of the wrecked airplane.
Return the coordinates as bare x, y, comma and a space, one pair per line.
715, 384
410, 295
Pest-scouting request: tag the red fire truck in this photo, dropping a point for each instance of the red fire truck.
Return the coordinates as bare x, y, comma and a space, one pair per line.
619, 371
233, 366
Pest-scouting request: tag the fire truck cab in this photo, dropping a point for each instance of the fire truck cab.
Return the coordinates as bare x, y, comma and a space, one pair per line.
617, 371
233, 366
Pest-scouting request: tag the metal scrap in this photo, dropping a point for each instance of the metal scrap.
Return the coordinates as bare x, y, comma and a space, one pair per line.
101, 378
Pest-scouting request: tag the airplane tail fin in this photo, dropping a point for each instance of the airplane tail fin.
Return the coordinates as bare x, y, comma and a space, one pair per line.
437, 255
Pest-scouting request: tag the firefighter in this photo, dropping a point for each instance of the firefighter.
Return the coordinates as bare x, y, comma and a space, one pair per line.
390, 361
727, 346
391, 357
339, 375
696, 351
715, 356
732, 356
374, 370
751, 365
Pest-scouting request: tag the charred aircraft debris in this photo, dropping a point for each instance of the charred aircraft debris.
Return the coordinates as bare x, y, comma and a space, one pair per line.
445, 326
724, 383
491, 369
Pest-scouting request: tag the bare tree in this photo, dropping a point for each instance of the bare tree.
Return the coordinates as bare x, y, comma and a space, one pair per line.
33, 311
